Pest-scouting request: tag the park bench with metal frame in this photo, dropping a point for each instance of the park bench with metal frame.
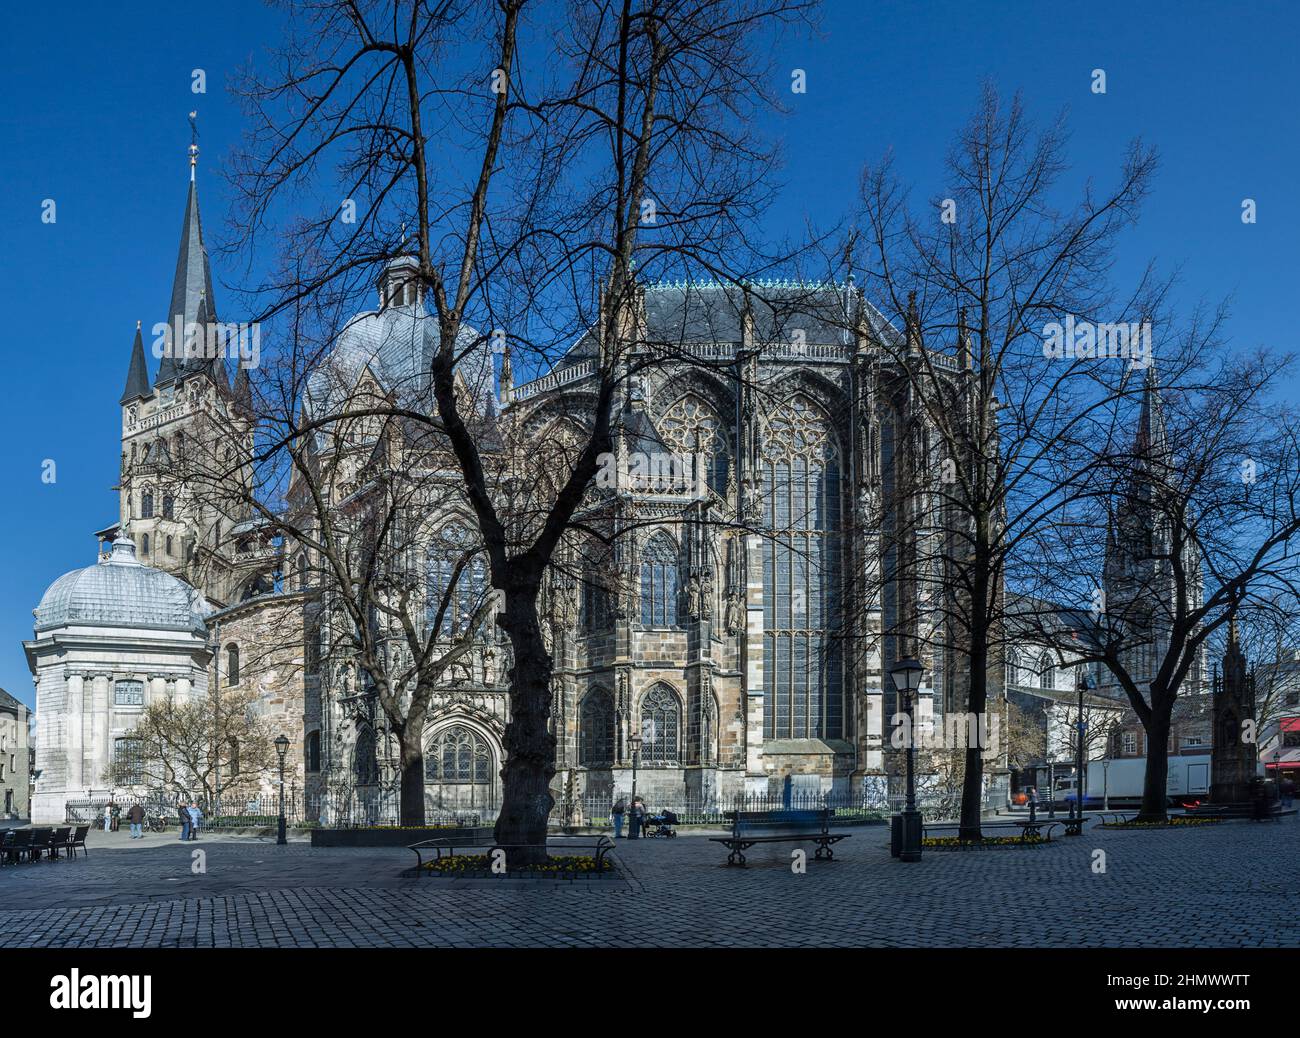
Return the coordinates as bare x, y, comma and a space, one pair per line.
739, 842
1028, 829
600, 847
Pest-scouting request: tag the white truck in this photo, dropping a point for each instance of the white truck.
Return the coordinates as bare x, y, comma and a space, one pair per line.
1120, 781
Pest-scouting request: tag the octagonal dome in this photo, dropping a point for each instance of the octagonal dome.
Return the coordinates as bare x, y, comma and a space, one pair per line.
121, 592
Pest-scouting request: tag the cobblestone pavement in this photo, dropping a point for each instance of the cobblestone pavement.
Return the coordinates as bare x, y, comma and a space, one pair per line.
1230, 885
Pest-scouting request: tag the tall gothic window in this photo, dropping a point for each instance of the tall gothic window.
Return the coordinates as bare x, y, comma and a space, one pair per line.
803, 679
596, 729
128, 752
232, 664
146, 505
660, 716
459, 755
454, 545
691, 428
168, 506
365, 761
659, 582
1046, 671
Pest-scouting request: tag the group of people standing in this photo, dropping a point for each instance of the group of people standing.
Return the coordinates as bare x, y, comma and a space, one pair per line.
191, 817
637, 818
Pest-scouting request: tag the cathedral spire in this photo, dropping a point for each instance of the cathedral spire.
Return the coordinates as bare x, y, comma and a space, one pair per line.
192, 300
963, 341
137, 374
507, 377
243, 391
913, 325
1150, 439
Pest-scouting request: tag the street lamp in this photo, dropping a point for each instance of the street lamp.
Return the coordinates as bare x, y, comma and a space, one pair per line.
1080, 763
634, 740
906, 675
281, 747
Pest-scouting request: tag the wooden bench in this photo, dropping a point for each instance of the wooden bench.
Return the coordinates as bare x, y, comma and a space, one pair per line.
598, 846
760, 823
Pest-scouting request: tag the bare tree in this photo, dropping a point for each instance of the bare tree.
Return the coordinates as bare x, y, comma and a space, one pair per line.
196, 747
976, 275
604, 143
1190, 525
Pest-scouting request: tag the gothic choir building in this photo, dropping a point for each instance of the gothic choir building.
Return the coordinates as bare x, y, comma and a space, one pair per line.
736, 638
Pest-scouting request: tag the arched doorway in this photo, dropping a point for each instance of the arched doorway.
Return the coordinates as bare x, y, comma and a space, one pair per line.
461, 766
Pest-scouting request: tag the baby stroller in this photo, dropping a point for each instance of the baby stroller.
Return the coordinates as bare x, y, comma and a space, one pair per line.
661, 824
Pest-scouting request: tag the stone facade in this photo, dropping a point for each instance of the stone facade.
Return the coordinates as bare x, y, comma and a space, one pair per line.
15, 758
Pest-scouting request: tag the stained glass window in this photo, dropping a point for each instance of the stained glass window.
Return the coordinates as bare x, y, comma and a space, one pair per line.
454, 545
459, 755
803, 666
659, 582
660, 716
596, 729
690, 427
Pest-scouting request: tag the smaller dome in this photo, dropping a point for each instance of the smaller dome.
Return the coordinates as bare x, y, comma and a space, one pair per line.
121, 592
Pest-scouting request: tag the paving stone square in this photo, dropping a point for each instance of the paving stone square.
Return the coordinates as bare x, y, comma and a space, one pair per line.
1227, 885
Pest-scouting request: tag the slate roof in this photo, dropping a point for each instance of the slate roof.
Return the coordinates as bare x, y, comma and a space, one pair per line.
121, 592
711, 313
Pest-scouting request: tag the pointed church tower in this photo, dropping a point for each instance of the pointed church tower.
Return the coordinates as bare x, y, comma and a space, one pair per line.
193, 304
137, 374
181, 431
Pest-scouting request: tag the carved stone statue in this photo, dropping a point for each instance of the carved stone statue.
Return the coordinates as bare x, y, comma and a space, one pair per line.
732, 618
693, 598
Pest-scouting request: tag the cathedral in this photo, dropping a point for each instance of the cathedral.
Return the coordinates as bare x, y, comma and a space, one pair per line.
732, 634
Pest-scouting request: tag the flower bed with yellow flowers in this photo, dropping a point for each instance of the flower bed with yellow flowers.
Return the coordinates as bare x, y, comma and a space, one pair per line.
560, 866
1176, 822
953, 843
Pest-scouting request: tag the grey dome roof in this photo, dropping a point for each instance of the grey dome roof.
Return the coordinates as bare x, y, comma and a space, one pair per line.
397, 344
120, 592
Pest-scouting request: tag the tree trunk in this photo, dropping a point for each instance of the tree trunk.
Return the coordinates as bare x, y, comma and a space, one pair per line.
412, 764
972, 788
1155, 782
526, 800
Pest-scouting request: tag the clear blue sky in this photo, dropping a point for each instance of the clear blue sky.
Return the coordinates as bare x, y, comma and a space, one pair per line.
93, 104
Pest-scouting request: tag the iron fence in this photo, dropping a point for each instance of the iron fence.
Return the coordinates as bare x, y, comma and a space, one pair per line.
594, 809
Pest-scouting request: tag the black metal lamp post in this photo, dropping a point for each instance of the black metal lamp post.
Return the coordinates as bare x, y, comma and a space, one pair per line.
634, 740
906, 675
281, 747
1080, 763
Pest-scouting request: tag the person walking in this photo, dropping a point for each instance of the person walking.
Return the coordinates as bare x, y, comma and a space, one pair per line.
184, 813
1287, 788
117, 813
135, 815
196, 816
635, 814
108, 816
618, 811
